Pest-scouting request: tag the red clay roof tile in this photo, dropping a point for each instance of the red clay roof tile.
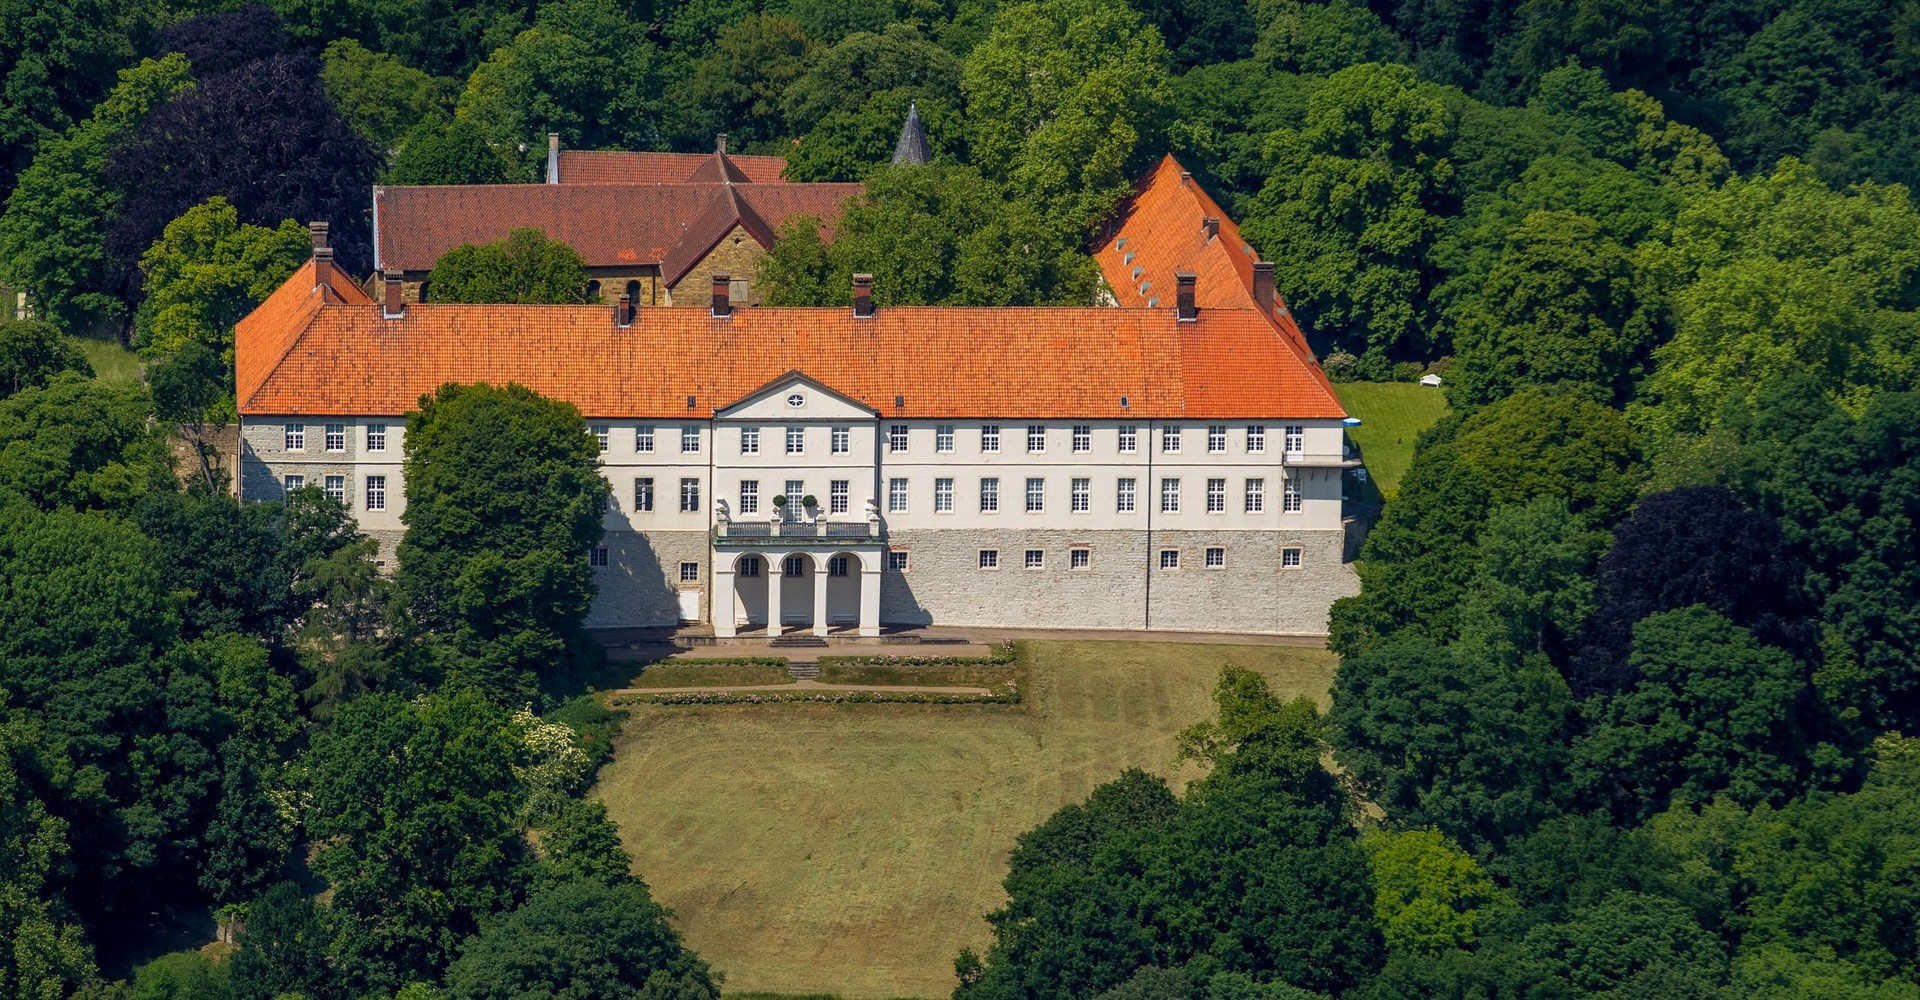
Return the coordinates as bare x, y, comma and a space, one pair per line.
615, 166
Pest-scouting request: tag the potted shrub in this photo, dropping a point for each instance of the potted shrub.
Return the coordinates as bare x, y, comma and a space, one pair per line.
809, 502
780, 502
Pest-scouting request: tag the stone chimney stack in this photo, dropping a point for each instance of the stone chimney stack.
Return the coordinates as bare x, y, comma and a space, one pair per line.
623, 311
863, 296
720, 144
317, 231
392, 307
553, 157
1263, 285
722, 296
1184, 309
1212, 226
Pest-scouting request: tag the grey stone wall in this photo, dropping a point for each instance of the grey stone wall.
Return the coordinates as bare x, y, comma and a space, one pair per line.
1252, 592
640, 584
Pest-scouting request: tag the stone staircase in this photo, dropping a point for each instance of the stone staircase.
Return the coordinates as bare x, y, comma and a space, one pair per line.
804, 671
800, 641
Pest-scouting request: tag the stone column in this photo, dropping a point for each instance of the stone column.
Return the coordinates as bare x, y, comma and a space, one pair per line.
724, 595
820, 580
776, 563
870, 596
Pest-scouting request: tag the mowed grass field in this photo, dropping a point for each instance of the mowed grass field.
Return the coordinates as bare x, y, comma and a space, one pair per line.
110, 361
855, 849
1392, 415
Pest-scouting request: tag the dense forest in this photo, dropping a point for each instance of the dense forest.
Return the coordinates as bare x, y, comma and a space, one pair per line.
1621, 705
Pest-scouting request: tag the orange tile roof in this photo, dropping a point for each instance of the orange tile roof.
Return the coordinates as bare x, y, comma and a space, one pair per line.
304, 353
669, 225
615, 166
1161, 232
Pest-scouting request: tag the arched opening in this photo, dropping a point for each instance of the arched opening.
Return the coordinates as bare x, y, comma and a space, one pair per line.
750, 592
593, 291
797, 580
843, 591
633, 293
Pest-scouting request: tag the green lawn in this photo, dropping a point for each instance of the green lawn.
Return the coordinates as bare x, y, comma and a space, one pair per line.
1391, 415
110, 361
855, 849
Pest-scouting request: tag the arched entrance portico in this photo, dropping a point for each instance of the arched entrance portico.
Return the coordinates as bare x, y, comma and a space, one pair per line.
816, 589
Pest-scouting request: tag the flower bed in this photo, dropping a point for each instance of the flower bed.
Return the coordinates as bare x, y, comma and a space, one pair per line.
1008, 696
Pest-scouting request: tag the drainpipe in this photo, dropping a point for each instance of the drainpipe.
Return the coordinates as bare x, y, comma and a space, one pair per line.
1146, 618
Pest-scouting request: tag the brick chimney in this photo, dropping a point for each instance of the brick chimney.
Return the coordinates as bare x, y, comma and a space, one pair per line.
318, 232
1212, 226
1183, 307
553, 157
863, 296
720, 143
1263, 285
722, 296
391, 306
623, 311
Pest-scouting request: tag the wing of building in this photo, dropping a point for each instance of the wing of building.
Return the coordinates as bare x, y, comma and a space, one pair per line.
1157, 464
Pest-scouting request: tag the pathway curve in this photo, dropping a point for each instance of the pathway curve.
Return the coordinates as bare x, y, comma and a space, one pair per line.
803, 686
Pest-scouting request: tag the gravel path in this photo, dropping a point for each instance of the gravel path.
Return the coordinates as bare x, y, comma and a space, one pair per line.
804, 686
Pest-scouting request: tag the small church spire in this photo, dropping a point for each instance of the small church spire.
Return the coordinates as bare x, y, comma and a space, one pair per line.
912, 149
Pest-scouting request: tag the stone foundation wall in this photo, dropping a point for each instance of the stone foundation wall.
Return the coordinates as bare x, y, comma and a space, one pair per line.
943, 583
640, 584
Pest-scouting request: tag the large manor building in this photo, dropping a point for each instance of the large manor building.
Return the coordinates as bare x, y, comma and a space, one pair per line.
1171, 460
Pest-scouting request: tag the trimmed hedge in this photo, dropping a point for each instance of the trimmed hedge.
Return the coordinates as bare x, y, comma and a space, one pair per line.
1010, 697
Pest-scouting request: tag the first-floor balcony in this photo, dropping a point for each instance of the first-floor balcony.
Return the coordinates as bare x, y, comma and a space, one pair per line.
816, 532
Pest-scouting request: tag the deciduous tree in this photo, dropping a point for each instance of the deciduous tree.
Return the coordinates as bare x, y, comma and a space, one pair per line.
526, 267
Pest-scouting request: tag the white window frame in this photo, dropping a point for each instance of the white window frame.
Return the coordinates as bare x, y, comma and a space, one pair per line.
896, 439
990, 439
1256, 496
335, 438
1170, 495
839, 441
1129, 438
1216, 495
1290, 502
1125, 495
1079, 557
943, 439
376, 492
643, 494
293, 481
897, 560
1296, 440
1036, 439
1036, 495
690, 495
1216, 439
643, 439
749, 440
838, 496
597, 557
796, 440
989, 559
1082, 438
296, 437
335, 488
1216, 557
749, 496
689, 440
376, 437
1034, 559
989, 494
1080, 496
689, 571
943, 495
1169, 558
602, 436
1256, 439
1291, 557
1170, 440
897, 495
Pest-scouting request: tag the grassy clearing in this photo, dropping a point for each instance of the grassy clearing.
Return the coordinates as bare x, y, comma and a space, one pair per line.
855, 849
679, 675
1392, 415
110, 361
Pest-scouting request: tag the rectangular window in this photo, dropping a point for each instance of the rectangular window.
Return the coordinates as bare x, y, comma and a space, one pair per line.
1256, 496
1036, 439
989, 495
1216, 558
837, 496
896, 496
943, 496
294, 483
1296, 439
1082, 437
1129, 438
793, 566
1290, 558
796, 440
837, 566
749, 496
376, 493
1124, 497
897, 561
1036, 495
602, 436
1290, 500
750, 567
1256, 439
796, 490
296, 437
990, 438
749, 440
838, 438
1169, 496
597, 556
989, 558
643, 495
336, 437
336, 487
376, 437
1081, 495
689, 440
689, 572
1169, 558
1216, 439
1216, 496
1170, 440
943, 438
897, 438
689, 496
1079, 558
1036, 559
643, 438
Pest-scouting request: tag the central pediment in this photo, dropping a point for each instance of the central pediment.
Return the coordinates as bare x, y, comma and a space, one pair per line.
794, 396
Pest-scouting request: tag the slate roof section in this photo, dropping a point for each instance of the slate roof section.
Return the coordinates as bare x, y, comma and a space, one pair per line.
309, 351
669, 225
912, 149
616, 166
1161, 231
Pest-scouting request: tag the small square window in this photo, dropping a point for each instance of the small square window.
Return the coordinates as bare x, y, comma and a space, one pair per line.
1036, 559
839, 438
897, 438
597, 558
1290, 558
990, 438
376, 437
1217, 439
749, 440
690, 440
336, 437
1169, 558
943, 438
1036, 438
643, 438
603, 436
897, 561
1079, 558
989, 558
1082, 437
689, 572
1216, 558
